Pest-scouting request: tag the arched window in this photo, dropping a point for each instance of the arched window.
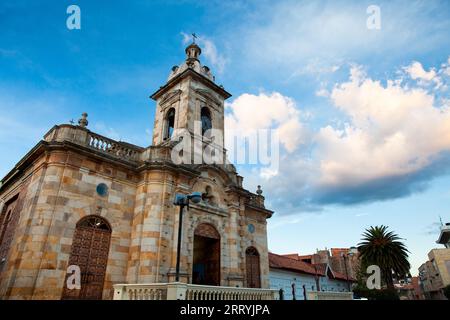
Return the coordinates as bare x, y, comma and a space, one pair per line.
205, 116
9, 218
170, 123
94, 222
5, 221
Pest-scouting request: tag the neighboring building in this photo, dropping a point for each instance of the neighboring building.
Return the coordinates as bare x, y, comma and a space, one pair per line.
342, 260
345, 260
79, 198
435, 273
296, 277
444, 236
409, 289
418, 293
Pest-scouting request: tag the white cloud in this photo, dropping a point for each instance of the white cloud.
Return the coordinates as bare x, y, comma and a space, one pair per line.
394, 139
209, 51
446, 67
322, 92
392, 131
317, 67
416, 71
107, 131
249, 113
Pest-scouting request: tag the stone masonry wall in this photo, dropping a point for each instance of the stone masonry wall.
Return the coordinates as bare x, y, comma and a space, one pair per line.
63, 192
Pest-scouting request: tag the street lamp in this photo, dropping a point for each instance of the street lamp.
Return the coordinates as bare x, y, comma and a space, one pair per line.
182, 201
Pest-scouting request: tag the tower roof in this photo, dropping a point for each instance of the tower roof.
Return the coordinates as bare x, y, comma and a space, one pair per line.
191, 66
193, 49
193, 52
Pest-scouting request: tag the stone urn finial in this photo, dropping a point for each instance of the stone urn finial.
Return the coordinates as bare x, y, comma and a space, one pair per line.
83, 122
259, 191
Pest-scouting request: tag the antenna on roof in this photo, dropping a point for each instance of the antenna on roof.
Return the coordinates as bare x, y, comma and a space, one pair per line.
440, 219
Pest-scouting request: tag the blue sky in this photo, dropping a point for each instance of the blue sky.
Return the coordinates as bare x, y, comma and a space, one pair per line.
368, 135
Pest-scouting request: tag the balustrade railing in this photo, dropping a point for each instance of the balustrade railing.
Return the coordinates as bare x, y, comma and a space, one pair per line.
199, 292
153, 291
112, 147
183, 291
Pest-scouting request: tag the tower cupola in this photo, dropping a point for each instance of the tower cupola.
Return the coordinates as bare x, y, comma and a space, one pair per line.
193, 51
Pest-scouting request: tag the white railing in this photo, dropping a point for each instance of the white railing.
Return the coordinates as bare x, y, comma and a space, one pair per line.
183, 291
112, 147
152, 291
200, 292
329, 295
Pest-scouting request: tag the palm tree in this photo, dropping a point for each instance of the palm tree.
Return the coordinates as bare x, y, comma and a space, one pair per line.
382, 248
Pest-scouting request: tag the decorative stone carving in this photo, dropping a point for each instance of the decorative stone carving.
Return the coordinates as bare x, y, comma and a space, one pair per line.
208, 96
83, 122
170, 96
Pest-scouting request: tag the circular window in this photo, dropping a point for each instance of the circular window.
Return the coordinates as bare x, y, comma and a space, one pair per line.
251, 228
102, 190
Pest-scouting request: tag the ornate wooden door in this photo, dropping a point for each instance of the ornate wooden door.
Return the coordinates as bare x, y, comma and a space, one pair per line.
89, 251
253, 268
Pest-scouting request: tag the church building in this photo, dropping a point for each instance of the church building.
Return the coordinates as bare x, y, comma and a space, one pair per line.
107, 207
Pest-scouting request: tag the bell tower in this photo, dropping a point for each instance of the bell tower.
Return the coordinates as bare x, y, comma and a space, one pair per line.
189, 100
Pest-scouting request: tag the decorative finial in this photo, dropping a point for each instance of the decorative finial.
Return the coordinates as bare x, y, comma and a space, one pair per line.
193, 51
259, 191
83, 122
71, 121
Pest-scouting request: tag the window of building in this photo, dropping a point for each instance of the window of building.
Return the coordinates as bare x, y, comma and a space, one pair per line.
206, 120
5, 221
102, 190
170, 123
8, 221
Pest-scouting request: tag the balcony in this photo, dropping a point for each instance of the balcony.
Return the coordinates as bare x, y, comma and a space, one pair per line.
183, 291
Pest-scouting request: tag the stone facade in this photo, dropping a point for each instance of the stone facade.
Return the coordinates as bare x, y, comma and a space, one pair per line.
56, 185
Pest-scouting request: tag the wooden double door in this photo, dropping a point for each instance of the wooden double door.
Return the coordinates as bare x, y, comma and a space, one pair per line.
89, 252
253, 268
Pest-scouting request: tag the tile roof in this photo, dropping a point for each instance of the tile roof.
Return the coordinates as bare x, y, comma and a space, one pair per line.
283, 262
341, 276
291, 255
288, 263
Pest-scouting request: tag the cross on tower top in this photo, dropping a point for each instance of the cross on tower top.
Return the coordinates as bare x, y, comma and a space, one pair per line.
194, 36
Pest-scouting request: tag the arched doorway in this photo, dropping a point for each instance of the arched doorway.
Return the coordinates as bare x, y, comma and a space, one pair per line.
206, 260
253, 268
90, 247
